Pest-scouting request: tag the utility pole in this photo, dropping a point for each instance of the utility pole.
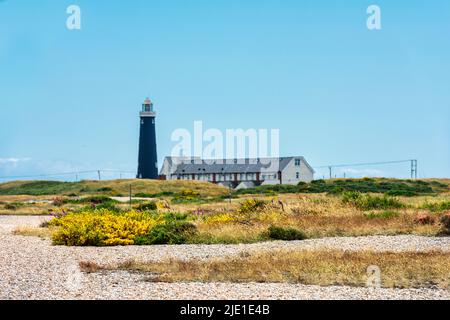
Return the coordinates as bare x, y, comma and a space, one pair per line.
130, 196
414, 169
99, 176
330, 169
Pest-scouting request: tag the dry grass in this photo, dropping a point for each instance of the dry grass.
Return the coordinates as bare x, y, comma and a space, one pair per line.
315, 227
157, 186
229, 233
89, 266
323, 267
28, 210
21, 198
45, 233
318, 216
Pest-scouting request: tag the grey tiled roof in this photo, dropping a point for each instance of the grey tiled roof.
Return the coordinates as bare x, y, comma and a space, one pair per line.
217, 168
228, 166
235, 166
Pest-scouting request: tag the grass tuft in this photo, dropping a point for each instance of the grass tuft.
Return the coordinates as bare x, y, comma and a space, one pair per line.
41, 232
288, 234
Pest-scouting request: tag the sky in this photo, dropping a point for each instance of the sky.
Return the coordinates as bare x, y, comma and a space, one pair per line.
337, 91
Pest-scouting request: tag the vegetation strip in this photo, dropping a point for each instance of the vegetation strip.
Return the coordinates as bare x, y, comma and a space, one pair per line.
140, 188
392, 187
310, 267
253, 220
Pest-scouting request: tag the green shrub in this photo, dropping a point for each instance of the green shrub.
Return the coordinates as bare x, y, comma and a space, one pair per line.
189, 193
437, 206
154, 195
370, 202
14, 205
404, 193
106, 205
143, 195
336, 190
350, 197
147, 206
104, 189
172, 217
387, 214
393, 187
225, 197
187, 196
95, 202
11, 206
174, 232
37, 188
251, 205
289, 234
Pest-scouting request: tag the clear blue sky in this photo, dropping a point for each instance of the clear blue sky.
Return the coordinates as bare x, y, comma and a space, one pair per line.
339, 93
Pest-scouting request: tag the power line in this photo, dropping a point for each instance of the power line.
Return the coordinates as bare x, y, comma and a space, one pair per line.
412, 161
363, 164
47, 175
76, 173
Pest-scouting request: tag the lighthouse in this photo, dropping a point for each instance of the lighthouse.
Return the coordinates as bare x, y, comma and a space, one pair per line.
148, 161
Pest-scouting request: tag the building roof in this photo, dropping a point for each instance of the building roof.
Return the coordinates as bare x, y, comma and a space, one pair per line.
199, 166
217, 168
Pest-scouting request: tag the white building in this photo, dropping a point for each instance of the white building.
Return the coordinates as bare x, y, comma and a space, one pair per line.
239, 173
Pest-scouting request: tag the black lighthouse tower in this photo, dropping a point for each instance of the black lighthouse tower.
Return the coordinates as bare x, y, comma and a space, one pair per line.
148, 161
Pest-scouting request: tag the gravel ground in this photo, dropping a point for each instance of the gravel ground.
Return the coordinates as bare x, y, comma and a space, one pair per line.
31, 268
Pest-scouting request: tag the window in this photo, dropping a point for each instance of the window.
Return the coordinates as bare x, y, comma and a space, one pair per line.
297, 175
297, 162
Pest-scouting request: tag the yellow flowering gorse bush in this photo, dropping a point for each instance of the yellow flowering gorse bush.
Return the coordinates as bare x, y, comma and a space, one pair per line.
102, 227
219, 218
